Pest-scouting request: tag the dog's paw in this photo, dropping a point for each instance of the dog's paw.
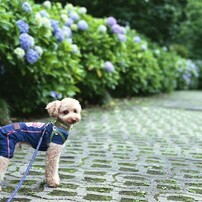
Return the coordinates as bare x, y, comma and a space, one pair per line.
53, 182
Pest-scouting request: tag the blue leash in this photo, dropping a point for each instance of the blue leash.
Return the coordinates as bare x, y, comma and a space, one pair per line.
28, 168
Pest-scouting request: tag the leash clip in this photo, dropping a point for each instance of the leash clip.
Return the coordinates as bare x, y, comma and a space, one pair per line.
55, 130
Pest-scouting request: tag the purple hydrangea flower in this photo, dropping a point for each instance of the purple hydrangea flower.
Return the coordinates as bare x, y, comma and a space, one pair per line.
109, 66
32, 56
82, 25
111, 21
74, 16
117, 29
26, 41
136, 39
122, 37
55, 95
69, 22
122, 30
23, 26
27, 7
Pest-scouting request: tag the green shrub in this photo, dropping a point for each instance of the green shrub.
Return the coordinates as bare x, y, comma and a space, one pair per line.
97, 49
4, 111
167, 62
139, 70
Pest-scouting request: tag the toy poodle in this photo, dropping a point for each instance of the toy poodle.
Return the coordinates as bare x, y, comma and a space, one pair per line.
66, 112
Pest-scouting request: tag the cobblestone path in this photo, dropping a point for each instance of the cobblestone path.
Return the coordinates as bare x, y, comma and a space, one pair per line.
138, 151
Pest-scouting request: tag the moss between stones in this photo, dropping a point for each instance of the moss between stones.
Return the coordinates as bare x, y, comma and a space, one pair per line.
128, 169
95, 173
17, 200
196, 191
62, 193
155, 172
90, 179
26, 182
131, 200
168, 187
100, 166
68, 170
180, 198
132, 183
127, 164
69, 186
94, 197
62, 176
133, 193
99, 189
192, 176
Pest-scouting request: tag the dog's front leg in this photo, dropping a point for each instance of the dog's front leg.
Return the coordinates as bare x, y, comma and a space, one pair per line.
4, 162
52, 164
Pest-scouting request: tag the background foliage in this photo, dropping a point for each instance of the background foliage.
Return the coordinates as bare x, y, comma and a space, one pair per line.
52, 51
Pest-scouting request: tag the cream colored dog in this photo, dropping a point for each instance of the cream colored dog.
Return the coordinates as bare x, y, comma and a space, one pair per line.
66, 112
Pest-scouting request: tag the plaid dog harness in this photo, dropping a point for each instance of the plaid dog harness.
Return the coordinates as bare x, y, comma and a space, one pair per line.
29, 132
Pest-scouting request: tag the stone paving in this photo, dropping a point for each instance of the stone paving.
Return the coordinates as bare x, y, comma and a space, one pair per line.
142, 150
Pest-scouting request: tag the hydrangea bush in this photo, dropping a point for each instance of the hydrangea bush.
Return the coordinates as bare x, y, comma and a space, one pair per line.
37, 54
49, 51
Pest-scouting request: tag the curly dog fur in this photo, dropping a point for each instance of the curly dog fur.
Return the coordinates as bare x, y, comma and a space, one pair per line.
66, 112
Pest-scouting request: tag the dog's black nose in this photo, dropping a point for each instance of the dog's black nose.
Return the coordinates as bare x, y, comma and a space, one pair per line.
73, 121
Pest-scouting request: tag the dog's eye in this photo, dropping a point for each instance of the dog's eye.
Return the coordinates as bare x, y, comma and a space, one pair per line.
65, 112
75, 111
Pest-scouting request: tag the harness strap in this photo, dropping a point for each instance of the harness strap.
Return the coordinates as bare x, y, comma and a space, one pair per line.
57, 133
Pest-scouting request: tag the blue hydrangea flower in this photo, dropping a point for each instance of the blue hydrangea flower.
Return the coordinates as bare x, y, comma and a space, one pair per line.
136, 39
82, 25
55, 95
59, 34
23, 26
32, 56
111, 21
67, 31
26, 41
109, 66
74, 16
27, 7
122, 37
55, 25
69, 22
44, 13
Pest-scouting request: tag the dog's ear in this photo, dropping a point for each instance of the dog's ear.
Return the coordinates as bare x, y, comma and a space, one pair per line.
53, 108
